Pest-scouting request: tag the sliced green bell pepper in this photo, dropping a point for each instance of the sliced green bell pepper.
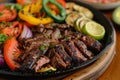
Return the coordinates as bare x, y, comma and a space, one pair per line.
58, 18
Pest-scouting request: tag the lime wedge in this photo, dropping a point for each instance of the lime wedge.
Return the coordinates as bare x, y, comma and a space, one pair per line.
94, 30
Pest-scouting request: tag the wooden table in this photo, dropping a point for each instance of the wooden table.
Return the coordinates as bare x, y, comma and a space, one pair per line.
113, 71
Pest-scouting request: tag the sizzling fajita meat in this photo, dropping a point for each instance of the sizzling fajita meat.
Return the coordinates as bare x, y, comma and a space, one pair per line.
56, 60
63, 54
91, 43
74, 52
42, 60
83, 48
58, 46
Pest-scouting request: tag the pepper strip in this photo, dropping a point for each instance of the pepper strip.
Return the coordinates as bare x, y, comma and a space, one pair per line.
26, 14
58, 18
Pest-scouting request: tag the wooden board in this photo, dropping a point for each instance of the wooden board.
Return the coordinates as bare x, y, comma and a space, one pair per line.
93, 71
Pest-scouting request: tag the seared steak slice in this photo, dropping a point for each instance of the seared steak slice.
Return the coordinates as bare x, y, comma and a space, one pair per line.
56, 25
72, 50
25, 54
42, 60
56, 34
83, 48
67, 59
55, 59
91, 43
29, 62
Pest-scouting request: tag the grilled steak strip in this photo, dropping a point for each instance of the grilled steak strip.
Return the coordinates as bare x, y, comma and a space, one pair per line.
28, 63
55, 59
67, 46
91, 43
67, 59
42, 60
83, 48
74, 52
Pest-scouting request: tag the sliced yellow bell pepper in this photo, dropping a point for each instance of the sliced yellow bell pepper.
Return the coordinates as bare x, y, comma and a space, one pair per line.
26, 14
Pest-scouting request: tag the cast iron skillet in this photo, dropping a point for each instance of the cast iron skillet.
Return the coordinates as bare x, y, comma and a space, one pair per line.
107, 42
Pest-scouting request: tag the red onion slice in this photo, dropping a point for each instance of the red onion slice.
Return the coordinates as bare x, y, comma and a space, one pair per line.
26, 33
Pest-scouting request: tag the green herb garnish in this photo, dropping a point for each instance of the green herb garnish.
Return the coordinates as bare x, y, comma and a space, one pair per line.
52, 46
1, 14
3, 37
42, 47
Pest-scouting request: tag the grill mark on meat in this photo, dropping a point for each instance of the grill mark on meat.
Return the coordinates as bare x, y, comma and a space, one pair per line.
83, 48
91, 43
29, 62
67, 59
56, 60
42, 60
26, 54
74, 52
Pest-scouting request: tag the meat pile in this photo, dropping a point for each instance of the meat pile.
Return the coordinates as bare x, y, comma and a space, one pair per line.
57, 45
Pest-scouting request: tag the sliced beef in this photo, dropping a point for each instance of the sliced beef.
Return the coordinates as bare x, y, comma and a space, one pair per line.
83, 48
56, 25
26, 54
39, 29
55, 59
67, 59
29, 62
62, 26
91, 43
56, 34
42, 60
74, 52
51, 26
57, 45
48, 33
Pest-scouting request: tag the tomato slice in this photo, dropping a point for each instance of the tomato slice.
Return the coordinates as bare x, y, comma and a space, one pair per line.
11, 53
14, 30
24, 2
7, 14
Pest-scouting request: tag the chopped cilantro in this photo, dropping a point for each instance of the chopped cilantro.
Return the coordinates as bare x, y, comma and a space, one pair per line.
1, 14
42, 47
3, 37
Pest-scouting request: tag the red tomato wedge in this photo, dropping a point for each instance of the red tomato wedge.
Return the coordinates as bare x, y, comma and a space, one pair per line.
7, 14
14, 30
11, 53
24, 2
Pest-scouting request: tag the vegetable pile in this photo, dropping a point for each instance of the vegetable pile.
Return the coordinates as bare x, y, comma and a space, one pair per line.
47, 35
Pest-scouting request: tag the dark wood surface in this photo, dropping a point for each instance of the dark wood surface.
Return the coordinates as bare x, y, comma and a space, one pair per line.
113, 71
